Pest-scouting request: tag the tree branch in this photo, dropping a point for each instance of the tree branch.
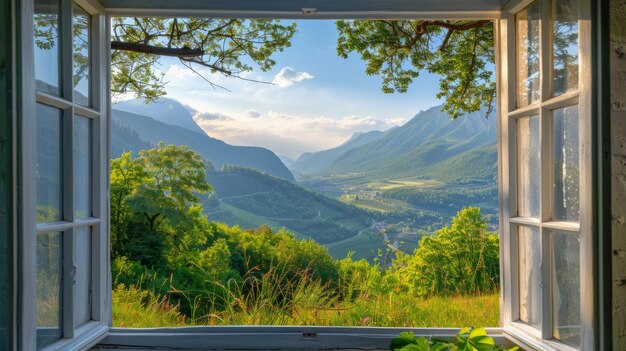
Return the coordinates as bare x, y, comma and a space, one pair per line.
183, 52
459, 27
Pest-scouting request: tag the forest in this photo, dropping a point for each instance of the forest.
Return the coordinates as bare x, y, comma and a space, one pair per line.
173, 265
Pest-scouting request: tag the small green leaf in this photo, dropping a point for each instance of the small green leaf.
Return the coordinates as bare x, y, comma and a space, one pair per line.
405, 338
423, 344
477, 332
412, 347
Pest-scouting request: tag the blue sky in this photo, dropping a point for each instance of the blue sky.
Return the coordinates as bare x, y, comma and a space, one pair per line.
318, 101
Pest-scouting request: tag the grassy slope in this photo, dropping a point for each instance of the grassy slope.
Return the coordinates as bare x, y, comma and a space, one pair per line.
257, 198
392, 310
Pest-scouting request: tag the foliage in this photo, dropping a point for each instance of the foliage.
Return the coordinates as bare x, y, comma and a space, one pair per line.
211, 273
460, 52
468, 339
460, 258
226, 46
135, 308
281, 203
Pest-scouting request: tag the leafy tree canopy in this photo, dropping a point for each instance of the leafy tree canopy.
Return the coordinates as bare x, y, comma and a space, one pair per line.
226, 46
460, 52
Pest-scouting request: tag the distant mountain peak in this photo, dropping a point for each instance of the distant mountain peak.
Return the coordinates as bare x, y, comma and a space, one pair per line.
165, 110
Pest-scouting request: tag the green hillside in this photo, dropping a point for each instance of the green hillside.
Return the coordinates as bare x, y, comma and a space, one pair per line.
310, 162
430, 137
478, 165
249, 198
124, 139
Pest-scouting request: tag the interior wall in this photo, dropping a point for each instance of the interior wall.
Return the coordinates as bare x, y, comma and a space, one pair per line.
618, 167
5, 172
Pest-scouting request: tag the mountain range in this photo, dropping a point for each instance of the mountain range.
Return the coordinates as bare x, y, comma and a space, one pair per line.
372, 178
169, 121
421, 147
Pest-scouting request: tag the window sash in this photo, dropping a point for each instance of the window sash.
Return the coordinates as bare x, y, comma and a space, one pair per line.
509, 220
93, 321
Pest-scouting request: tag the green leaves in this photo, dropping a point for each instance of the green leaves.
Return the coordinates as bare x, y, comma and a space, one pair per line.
460, 52
230, 47
468, 339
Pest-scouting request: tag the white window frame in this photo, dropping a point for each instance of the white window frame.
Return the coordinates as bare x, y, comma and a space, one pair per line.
508, 113
74, 336
264, 337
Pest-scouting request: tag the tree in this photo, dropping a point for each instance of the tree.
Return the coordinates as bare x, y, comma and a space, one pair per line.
460, 258
226, 46
175, 178
461, 52
155, 198
126, 175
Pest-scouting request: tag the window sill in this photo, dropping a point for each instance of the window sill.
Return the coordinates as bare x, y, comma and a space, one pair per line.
270, 337
532, 343
86, 336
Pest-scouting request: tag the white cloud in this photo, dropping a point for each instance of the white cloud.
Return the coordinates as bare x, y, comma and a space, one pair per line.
287, 76
252, 113
287, 134
212, 116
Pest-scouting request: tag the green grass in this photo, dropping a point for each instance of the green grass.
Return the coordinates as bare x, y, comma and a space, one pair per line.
312, 306
134, 308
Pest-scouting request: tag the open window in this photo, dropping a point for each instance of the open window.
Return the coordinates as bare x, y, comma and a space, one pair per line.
545, 172
545, 153
65, 282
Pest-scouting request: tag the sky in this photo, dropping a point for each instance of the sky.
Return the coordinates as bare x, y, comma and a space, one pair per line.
318, 99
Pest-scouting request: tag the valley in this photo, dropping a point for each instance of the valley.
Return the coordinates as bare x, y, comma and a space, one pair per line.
376, 193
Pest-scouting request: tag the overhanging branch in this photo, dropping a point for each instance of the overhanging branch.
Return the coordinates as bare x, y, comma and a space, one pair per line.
183, 52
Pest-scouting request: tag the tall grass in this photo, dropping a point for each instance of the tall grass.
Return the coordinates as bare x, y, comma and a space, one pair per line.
283, 297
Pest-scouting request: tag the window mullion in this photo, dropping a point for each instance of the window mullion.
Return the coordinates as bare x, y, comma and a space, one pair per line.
68, 168
546, 284
545, 51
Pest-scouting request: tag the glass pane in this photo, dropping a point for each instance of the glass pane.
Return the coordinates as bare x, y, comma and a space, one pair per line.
529, 256
82, 259
528, 166
82, 167
46, 22
528, 25
565, 46
80, 24
49, 170
49, 282
566, 288
565, 194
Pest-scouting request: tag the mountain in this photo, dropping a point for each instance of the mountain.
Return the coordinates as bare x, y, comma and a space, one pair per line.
165, 110
248, 198
311, 162
288, 161
409, 150
124, 139
214, 150
477, 165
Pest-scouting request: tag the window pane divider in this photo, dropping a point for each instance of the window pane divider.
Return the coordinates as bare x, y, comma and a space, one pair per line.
51, 227
561, 101
52, 100
573, 227
528, 221
86, 221
526, 111
86, 112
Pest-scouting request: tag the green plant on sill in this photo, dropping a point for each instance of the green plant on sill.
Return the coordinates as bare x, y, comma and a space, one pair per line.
468, 339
